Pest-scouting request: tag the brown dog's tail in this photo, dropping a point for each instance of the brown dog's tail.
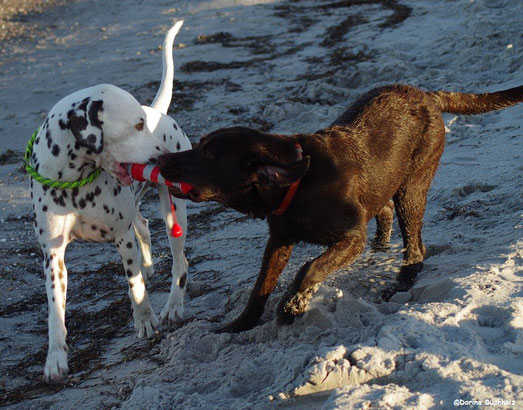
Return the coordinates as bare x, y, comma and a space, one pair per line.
460, 103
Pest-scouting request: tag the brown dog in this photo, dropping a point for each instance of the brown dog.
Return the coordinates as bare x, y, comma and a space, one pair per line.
324, 187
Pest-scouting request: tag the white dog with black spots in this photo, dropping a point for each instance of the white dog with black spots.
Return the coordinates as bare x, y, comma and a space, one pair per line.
105, 127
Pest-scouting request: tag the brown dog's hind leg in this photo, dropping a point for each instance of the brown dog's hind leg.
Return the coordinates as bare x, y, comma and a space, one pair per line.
410, 201
410, 206
384, 219
277, 254
310, 276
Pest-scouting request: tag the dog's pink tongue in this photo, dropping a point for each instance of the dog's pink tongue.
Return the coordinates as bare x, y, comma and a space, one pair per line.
126, 180
123, 176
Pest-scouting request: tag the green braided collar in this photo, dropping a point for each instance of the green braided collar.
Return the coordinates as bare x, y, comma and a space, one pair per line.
49, 182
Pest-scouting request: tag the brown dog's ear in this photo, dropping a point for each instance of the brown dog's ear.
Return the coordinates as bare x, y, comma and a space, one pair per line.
282, 174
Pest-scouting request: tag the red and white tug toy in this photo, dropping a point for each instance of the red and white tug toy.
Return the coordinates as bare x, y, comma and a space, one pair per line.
144, 172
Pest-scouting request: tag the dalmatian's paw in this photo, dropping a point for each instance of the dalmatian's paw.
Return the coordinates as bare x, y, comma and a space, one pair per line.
56, 365
172, 313
146, 323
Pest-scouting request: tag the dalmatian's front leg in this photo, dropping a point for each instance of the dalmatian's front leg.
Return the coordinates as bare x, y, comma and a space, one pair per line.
56, 285
53, 233
173, 310
145, 321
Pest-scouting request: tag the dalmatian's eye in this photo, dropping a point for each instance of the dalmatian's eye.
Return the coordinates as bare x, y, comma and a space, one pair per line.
140, 125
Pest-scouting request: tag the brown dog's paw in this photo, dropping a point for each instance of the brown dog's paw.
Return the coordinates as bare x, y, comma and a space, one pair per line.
293, 305
236, 326
407, 275
404, 281
391, 290
284, 318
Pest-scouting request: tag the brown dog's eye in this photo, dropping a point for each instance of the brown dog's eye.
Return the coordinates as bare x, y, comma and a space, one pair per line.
140, 125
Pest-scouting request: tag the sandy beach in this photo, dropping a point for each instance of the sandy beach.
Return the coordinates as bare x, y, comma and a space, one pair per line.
454, 340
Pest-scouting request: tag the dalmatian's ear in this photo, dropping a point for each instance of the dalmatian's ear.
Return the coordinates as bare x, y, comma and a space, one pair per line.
85, 125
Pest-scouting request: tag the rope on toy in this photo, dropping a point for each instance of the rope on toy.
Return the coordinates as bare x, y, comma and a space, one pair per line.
145, 172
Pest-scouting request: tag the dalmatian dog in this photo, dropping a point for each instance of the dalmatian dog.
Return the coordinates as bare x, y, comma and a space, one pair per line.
105, 127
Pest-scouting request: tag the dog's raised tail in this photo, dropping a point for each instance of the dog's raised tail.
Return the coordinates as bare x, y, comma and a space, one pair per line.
162, 100
461, 103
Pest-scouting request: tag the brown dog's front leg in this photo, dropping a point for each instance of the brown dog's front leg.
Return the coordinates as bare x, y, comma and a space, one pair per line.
276, 256
310, 276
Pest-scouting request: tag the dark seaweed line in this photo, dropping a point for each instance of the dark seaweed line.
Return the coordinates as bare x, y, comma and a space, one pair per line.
333, 34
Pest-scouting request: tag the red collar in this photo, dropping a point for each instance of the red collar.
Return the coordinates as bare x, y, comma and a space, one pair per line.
289, 196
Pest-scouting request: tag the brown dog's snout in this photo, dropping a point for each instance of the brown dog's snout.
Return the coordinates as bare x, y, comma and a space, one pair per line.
167, 169
162, 161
